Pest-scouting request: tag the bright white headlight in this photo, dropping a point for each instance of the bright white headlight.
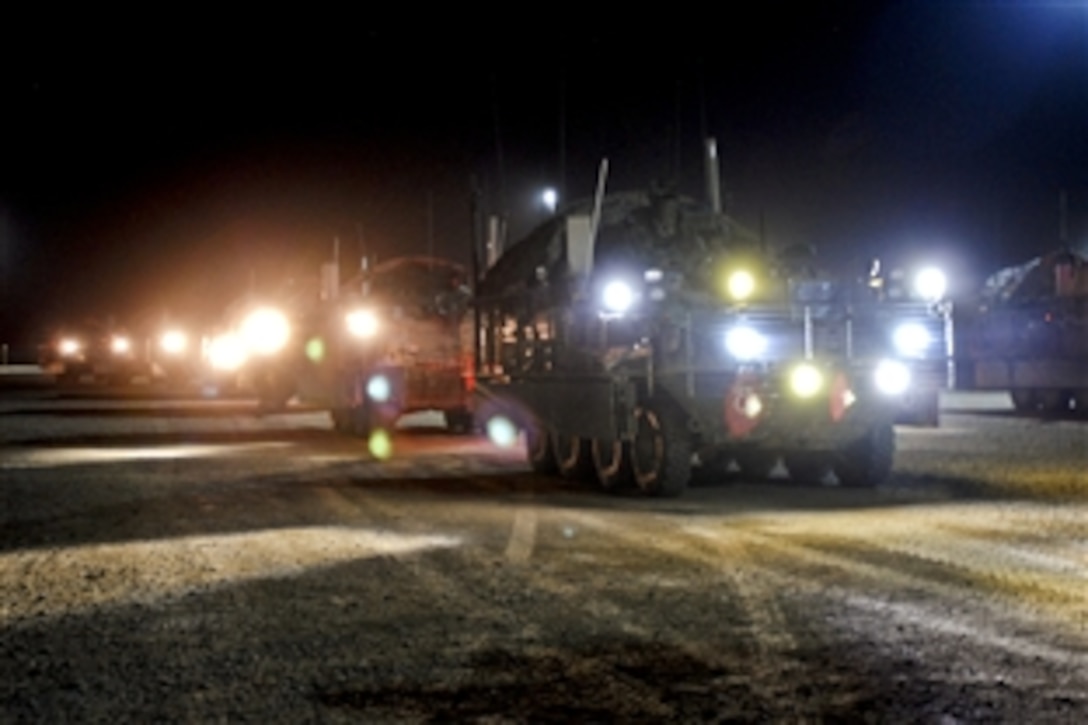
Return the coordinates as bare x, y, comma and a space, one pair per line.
930, 284
120, 345
618, 296
911, 339
226, 352
265, 331
68, 347
379, 389
892, 377
362, 323
174, 342
502, 432
745, 343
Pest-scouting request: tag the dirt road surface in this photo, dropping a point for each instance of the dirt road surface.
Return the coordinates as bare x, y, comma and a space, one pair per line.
193, 562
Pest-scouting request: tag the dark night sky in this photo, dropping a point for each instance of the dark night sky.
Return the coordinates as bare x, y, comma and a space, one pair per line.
145, 171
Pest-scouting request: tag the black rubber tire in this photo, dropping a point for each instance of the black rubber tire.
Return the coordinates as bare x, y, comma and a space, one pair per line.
573, 457
661, 451
867, 462
539, 451
612, 463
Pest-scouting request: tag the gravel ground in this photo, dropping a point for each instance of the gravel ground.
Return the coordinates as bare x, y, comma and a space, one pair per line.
202, 564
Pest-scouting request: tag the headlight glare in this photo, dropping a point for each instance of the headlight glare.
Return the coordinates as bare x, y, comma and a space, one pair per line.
930, 284
69, 347
911, 339
806, 380
226, 352
617, 296
265, 331
892, 377
745, 343
379, 389
740, 284
174, 342
120, 345
362, 323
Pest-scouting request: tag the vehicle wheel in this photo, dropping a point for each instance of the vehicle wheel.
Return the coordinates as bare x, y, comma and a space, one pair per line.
866, 462
807, 467
612, 462
572, 457
538, 448
755, 462
661, 451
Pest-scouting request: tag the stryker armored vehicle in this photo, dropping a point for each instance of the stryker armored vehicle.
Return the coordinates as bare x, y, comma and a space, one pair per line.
638, 334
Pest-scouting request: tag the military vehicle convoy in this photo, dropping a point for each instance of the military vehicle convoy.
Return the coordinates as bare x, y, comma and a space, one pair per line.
388, 342
639, 334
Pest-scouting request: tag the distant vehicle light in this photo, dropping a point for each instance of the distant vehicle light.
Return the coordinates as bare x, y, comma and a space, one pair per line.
911, 339
745, 343
265, 331
379, 389
174, 342
653, 276
740, 285
120, 345
380, 444
618, 296
362, 323
930, 284
892, 377
502, 432
806, 380
69, 347
226, 352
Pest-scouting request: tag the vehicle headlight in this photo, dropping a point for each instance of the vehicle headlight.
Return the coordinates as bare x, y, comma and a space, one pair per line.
806, 380
174, 342
69, 347
740, 284
120, 345
265, 331
226, 352
930, 284
911, 339
379, 389
362, 323
745, 343
617, 296
892, 377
